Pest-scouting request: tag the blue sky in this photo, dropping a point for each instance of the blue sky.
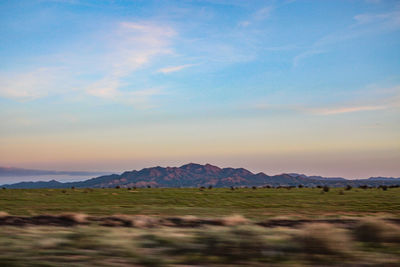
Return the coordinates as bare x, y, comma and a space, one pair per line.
274, 86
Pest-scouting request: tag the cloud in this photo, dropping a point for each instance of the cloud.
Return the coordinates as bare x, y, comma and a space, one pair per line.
104, 88
282, 47
263, 13
370, 98
175, 68
306, 54
318, 111
365, 24
103, 68
339, 110
388, 20
259, 15
143, 99
244, 23
134, 45
34, 84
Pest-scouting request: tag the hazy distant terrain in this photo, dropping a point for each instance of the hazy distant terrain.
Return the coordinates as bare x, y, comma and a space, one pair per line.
197, 175
12, 175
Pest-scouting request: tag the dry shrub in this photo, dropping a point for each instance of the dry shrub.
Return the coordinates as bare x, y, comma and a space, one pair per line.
139, 221
112, 222
190, 218
50, 242
117, 220
184, 221
3, 214
79, 218
376, 231
320, 238
209, 246
235, 245
234, 220
85, 238
143, 221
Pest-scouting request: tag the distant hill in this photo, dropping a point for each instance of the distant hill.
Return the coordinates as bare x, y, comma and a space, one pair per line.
196, 175
36, 185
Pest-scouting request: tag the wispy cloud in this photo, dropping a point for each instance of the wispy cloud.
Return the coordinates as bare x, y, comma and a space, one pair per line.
127, 48
174, 68
244, 23
306, 54
332, 110
143, 99
35, 84
135, 44
104, 88
365, 24
371, 98
385, 21
257, 16
339, 110
263, 13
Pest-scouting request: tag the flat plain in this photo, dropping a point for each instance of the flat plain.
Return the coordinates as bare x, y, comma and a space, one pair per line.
251, 203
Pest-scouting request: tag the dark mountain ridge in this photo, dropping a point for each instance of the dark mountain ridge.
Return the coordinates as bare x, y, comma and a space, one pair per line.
197, 175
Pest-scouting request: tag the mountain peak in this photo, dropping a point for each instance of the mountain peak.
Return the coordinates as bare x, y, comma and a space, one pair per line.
198, 168
191, 166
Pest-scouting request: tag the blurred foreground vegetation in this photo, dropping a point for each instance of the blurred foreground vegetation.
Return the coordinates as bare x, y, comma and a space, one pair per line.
368, 243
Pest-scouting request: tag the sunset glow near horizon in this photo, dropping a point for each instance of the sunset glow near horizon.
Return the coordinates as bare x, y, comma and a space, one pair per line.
274, 86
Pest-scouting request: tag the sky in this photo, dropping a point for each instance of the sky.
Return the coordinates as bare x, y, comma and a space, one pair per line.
275, 86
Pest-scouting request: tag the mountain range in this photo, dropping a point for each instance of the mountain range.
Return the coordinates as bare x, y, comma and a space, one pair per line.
197, 175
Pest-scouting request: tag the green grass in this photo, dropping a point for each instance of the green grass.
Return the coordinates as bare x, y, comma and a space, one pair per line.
212, 203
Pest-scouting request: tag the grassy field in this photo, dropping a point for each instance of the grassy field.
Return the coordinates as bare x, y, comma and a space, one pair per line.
250, 203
